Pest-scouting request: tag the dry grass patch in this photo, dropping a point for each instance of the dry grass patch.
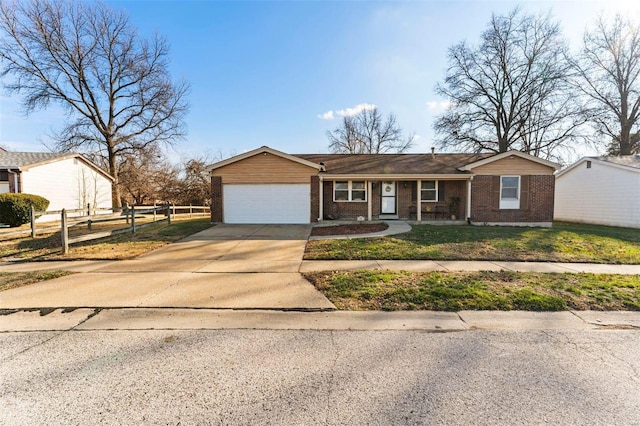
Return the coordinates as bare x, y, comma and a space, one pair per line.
117, 247
9, 280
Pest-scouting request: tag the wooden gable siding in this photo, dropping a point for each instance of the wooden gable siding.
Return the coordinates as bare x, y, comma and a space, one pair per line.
513, 166
262, 168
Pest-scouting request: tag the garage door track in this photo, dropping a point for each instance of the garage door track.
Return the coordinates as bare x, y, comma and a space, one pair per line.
225, 266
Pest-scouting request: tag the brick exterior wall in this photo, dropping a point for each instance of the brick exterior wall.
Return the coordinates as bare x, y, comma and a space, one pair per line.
406, 201
216, 199
315, 198
536, 203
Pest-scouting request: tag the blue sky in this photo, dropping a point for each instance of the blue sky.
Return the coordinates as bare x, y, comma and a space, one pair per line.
265, 73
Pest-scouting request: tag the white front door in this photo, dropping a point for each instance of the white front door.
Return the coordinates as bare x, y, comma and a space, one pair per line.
388, 198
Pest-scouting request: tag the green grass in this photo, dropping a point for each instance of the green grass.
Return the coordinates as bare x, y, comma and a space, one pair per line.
564, 242
9, 280
454, 291
117, 247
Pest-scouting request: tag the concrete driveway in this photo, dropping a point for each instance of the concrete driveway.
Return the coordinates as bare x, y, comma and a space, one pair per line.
226, 266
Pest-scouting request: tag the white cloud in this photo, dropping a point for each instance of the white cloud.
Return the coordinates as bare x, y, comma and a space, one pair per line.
347, 112
326, 116
438, 105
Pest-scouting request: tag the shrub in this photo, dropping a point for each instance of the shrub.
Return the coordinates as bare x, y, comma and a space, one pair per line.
15, 209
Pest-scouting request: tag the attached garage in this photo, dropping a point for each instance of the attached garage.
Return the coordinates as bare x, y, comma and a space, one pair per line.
264, 186
275, 203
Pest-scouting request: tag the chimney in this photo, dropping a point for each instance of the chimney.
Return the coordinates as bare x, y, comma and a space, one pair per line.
433, 152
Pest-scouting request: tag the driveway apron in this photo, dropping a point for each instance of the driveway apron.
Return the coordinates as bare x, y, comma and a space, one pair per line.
225, 266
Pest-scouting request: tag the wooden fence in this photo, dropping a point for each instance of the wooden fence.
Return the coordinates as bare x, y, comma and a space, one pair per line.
134, 217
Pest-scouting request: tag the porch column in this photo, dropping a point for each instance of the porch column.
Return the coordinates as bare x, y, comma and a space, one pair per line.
419, 201
369, 196
469, 198
320, 200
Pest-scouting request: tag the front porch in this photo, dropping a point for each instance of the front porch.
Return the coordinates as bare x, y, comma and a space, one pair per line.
419, 200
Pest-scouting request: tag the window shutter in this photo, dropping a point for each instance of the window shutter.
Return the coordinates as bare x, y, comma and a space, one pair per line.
524, 192
495, 192
414, 191
441, 191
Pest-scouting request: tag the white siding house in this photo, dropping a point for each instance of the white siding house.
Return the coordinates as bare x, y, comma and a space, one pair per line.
68, 181
600, 190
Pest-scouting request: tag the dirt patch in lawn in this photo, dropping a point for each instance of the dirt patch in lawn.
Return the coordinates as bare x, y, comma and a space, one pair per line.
349, 229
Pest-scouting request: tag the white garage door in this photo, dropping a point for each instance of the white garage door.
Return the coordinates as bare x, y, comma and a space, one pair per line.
266, 203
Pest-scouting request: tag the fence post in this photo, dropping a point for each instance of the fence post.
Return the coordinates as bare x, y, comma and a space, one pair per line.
168, 213
173, 208
133, 219
89, 224
126, 212
33, 222
64, 232
154, 210
190, 210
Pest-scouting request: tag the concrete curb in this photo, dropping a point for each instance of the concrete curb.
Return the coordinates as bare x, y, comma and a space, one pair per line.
395, 227
215, 319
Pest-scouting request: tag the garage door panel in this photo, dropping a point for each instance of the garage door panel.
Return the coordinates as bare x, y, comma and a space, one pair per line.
277, 203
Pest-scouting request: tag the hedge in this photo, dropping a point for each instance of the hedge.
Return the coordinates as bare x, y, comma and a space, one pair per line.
15, 209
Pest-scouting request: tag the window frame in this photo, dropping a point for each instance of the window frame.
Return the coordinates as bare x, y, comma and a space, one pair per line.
510, 203
350, 190
437, 189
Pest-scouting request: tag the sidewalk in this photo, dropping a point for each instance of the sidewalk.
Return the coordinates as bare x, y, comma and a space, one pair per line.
456, 265
350, 265
216, 319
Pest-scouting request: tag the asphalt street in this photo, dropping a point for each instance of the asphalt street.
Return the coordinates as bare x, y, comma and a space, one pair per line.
287, 377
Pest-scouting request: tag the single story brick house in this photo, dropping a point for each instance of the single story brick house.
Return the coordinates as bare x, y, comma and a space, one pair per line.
269, 186
67, 180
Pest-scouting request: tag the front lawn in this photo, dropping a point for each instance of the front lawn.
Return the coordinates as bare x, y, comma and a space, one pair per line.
455, 291
565, 242
117, 247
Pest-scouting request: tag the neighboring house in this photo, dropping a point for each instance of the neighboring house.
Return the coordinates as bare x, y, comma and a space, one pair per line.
600, 190
68, 181
269, 186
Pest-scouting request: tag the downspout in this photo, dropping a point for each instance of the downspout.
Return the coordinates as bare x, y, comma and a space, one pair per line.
321, 199
469, 200
369, 201
419, 201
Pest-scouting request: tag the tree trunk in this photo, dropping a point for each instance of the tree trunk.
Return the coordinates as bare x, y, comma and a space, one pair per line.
625, 139
113, 171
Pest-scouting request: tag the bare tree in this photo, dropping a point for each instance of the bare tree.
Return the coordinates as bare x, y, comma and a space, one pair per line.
608, 69
368, 133
88, 58
510, 91
147, 176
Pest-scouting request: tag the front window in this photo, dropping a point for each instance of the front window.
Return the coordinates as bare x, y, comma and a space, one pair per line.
349, 191
4, 176
429, 190
509, 192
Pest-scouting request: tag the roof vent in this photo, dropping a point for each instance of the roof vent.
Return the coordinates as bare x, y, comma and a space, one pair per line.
433, 152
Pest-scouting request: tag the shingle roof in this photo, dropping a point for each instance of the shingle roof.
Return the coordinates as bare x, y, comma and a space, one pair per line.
623, 160
22, 159
409, 164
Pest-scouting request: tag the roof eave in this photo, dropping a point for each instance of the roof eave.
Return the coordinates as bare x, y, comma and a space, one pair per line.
500, 156
412, 176
263, 149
